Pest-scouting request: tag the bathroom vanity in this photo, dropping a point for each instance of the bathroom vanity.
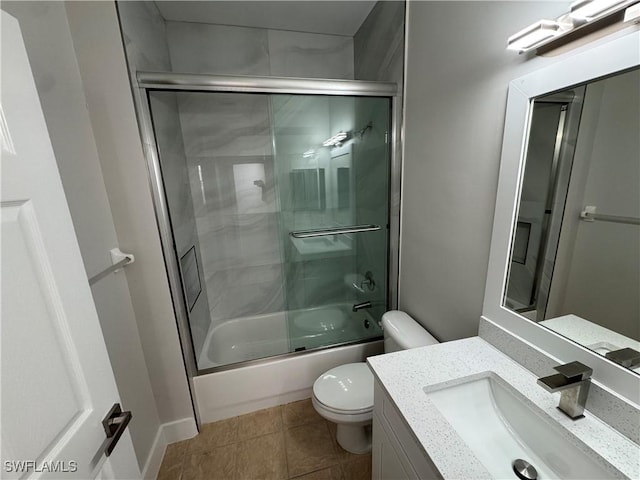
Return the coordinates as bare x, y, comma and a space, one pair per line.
415, 435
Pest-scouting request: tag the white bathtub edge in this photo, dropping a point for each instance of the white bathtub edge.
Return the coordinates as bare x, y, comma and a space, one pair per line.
243, 390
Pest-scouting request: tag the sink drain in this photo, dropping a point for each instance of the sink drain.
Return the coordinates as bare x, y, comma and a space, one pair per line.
524, 470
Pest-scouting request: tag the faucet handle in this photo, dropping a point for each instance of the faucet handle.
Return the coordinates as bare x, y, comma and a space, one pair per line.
574, 371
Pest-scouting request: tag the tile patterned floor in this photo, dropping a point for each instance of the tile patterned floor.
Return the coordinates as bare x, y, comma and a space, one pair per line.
288, 441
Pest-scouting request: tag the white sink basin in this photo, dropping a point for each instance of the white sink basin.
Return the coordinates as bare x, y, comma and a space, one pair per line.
500, 425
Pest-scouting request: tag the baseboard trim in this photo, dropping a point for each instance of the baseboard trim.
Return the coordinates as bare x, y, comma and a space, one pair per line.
167, 433
154, 460
180, 430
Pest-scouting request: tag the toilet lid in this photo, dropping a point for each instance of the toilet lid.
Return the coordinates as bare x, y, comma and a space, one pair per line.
347, 387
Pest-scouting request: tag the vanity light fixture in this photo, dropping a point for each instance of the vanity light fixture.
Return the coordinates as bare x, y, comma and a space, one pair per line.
583, 17
632, 14
532, 35
336, 140
590, 9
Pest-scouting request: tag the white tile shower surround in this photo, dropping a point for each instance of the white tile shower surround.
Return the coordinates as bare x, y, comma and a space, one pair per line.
176, 183
228, 50
225, 124
378, 45
297, 54
219, 49
404, 374
144, 36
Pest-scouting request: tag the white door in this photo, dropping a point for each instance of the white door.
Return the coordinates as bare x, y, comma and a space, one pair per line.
56, 381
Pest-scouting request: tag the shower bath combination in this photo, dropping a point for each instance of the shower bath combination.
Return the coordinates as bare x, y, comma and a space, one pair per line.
273, 198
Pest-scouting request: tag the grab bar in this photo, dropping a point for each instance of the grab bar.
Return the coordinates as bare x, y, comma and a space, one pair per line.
589, 215
323, 232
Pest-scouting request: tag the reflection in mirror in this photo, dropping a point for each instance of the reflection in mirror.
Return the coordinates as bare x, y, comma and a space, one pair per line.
342, 187
575, 256
307, 189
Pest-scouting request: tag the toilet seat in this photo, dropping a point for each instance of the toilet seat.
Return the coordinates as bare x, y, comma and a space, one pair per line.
345, 390
337, 411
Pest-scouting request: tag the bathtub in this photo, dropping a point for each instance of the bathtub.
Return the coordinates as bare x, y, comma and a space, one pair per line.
243, 339
261, 336
280, 379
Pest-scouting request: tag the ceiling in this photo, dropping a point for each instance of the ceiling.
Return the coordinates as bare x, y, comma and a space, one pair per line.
328, 17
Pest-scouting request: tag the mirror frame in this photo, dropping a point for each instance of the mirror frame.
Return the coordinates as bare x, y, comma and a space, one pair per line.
605, 58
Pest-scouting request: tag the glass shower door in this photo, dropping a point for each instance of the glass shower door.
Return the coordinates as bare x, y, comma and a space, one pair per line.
246, 177
332, 168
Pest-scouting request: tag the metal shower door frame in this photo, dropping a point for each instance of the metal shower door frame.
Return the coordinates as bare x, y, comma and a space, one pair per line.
150, 81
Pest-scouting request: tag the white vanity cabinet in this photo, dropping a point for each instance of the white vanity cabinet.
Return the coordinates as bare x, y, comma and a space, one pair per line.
395, 451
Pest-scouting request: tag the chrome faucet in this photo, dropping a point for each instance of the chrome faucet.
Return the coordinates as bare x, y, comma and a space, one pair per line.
573, 381
360, 306
627, 357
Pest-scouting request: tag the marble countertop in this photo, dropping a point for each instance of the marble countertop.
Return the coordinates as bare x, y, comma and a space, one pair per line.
404, 375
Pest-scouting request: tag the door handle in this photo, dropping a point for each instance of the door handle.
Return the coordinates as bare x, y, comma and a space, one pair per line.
114, 425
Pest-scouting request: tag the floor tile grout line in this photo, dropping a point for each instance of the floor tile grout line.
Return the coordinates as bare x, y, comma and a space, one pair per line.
284, 442
184, 459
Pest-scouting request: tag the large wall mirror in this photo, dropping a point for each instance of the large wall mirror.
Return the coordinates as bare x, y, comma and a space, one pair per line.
575, 254
564, 270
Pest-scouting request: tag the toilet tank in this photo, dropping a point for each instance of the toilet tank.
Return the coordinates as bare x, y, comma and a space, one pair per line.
402, 332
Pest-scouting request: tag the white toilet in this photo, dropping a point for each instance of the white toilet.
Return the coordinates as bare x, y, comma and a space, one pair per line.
344, 394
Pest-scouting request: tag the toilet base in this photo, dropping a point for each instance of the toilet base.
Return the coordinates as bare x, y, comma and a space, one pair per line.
354, 438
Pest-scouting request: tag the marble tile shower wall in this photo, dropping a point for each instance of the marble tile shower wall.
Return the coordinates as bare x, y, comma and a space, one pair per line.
228, 148
164, 106
229, 152
145, 36
145, 39
229, 50
379, 44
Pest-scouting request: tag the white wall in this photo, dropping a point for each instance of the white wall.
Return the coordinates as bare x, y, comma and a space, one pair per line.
49, 45
457, 76
98, 46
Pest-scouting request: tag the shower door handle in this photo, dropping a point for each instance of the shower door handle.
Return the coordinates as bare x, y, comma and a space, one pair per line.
323, 232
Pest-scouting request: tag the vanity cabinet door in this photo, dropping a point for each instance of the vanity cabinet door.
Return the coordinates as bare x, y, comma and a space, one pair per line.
386, 462
396, 453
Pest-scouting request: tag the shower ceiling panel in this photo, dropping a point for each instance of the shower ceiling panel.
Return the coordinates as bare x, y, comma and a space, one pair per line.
327, 17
